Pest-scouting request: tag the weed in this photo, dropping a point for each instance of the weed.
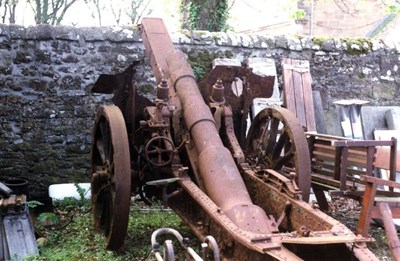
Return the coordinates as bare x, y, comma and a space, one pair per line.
34, 203
82, 193
48, 219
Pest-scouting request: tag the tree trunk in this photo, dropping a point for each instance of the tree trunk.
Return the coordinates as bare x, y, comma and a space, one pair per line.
208, 15
12, 7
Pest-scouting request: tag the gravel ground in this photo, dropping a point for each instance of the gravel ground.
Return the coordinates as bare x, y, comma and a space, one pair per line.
347, 211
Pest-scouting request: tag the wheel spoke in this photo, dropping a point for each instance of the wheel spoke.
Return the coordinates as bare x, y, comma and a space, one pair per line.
100, 148
273, 133
280, 149
261, 137
105, 139
106, 213
280, 145
153, 151
280, 162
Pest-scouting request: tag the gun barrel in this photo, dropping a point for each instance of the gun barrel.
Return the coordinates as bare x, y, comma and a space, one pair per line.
217, 166
222, 180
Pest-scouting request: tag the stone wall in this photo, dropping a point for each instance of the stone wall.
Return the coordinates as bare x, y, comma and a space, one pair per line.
46, 73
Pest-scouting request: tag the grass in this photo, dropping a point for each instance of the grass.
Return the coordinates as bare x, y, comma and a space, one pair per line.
74, 238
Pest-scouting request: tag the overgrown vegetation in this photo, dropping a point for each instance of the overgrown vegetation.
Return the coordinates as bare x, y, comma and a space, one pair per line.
210, 15
201, 61
73, 236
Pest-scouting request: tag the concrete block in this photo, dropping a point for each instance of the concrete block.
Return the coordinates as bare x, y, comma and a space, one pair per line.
319, 113
393, 118
373, 117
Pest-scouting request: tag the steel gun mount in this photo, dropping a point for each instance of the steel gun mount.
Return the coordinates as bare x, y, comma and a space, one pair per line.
190, 149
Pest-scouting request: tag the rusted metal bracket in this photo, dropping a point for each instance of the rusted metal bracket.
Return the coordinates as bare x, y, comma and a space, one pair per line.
280, 182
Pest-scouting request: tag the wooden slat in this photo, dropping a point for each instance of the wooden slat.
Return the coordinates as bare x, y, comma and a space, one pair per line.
299, 95
308, 101
325, 180
322, 240
287, 77
323, 164
361, 157
298, 91
368, 211
323, 157
351, 171
320, 196
324, 150
382, 182
328, 181
361, 151
387, 199
343, 167
326, 137
356, 163
362, 143
323, 142
326, 172
322, 186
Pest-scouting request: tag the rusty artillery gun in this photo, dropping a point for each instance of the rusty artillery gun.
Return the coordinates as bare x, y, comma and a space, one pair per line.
190, 148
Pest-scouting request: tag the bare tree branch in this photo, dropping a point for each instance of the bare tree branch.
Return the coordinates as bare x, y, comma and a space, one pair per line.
116, 13
8, 11
137, 9
99, 7
50, 12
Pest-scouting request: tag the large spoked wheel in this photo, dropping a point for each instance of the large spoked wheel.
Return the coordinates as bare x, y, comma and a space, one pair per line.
110, 176
276, 140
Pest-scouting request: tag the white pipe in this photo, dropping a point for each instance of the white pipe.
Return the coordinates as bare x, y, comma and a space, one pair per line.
158, 256
193, 254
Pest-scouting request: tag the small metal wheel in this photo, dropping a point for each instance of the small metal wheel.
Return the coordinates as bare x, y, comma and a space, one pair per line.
211, 252
276, 140
159, 151
110, 176
169, 254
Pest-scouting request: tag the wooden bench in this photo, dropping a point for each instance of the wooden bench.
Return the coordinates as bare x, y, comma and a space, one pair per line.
339, 164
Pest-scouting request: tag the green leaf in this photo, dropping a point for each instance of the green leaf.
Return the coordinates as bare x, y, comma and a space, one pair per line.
48, 219
34, 203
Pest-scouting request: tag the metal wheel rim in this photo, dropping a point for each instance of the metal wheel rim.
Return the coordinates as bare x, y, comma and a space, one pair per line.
110, 176
292, 139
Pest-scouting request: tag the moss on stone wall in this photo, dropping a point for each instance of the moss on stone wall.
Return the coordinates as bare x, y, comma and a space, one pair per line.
357, 46
318, 41
201, 61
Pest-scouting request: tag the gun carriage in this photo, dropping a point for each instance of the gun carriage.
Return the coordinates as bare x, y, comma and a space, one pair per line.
190, 148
